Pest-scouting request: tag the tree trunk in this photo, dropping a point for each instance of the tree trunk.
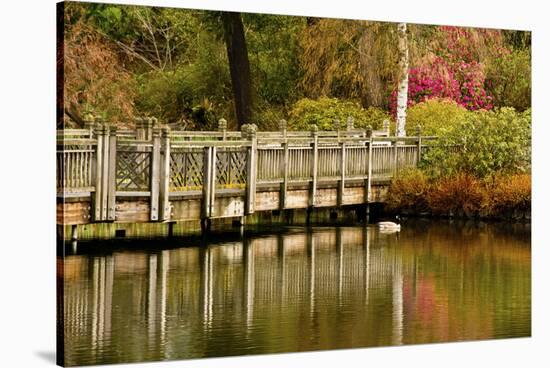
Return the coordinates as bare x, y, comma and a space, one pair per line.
402, 89
239, 66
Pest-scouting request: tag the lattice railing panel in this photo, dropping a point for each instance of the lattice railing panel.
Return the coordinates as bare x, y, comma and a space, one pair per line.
133, 171
230, 168
186, 170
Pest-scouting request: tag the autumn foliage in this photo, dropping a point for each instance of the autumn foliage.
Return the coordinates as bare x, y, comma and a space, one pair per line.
500, 196
95, 80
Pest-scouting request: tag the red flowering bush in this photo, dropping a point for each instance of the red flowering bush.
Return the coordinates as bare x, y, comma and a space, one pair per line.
462, 83
471, 78
429, 82
455, 69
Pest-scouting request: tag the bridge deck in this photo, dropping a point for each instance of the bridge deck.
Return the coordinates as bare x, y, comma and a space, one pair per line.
153, 174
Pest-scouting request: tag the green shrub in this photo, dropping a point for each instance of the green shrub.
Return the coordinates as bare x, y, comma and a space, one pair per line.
193, 92
267, 116
324, 111
509, 79
434, 115
485, 143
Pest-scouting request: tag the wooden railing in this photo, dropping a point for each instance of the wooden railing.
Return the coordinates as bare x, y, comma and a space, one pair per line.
158, 165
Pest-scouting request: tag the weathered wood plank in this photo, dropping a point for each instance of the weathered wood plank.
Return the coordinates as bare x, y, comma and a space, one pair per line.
266, 201
133, 211
73, 213
228, 207
188, 209
298, 198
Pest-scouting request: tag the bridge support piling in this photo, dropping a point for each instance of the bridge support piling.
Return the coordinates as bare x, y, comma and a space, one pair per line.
171, 229
74, 246
206, 225
74, 232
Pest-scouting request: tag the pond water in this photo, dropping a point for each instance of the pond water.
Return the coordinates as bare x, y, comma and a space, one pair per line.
299, 289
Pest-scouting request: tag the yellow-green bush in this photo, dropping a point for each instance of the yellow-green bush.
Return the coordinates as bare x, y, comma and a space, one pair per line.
491, 142
434, 116
509, 79
322, 112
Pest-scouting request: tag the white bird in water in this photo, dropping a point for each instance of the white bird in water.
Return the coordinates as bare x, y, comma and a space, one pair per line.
389, 226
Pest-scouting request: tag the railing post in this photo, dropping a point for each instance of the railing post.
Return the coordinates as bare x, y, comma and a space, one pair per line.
222, 127
342, 184
386, 127
284, 184
369, 168
207, 185
349, 124
99, 131
89, 124
395, 156
164, 190
283, 127
336, 124
419, 148
144, 127
315, 154
155, 175
250, 131
111, 183
284, 165
105, 171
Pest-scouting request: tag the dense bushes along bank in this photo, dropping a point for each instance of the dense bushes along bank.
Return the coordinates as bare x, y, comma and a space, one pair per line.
485, 174
461, 195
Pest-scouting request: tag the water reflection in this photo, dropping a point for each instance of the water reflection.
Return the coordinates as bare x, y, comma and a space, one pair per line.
300, 290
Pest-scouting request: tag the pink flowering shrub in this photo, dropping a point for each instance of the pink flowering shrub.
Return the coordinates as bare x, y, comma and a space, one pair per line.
428, 82
456, 70
473, 95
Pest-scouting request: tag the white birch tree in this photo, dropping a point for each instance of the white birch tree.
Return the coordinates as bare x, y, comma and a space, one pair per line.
403, 87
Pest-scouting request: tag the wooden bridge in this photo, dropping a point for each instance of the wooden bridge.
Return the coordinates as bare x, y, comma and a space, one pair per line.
154, 174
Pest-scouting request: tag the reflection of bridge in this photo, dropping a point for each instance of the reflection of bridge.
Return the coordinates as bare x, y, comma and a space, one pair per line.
237, 283
154, 175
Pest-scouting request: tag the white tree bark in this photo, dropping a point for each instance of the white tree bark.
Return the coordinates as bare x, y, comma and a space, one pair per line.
403, 87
